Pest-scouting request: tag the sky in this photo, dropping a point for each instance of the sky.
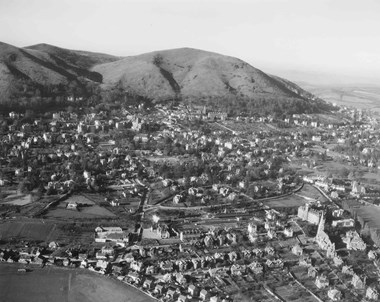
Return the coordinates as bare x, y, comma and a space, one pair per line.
334, 36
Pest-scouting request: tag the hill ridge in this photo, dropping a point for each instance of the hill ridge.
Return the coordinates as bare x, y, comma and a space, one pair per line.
186, 74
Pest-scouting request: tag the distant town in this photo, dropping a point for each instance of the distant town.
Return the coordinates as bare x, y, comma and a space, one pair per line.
185, 203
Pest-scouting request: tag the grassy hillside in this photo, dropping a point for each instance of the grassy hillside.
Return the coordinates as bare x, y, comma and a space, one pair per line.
197, 73
184, 74
23, 71
78, 58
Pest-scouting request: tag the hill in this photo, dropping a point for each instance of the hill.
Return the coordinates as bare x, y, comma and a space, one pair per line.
190, 73
43, 65
186, 74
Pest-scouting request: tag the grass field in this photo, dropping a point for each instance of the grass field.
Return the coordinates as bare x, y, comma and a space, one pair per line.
80, 199
288, 201
19, 199
83, 213
309, 191
92, 210
27, 230
62, 285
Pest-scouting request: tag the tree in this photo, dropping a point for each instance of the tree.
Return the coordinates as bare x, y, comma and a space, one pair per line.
157, 60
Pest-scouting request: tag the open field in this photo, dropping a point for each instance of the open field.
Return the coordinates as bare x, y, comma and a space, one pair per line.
83, 213
64, 285
38, 231
87, 211
288, 201
360, 96
159, 193
80, 199
19, 200
309, 191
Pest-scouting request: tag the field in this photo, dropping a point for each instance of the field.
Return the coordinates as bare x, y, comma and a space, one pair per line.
64, 285
288, 201
27, 230
309, 191
362, 96
158, 193
88, 211
83, 213
18, 199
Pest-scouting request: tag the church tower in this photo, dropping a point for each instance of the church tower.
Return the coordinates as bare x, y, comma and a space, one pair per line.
321, 226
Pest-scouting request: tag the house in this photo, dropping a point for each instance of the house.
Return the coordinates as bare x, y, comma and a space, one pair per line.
297, 250
256, 267
372, 255
343, 223
288, 232
334, 294
354, 241
136, 265
72, 205
193, 290
305, 261
134, 277
53, 245
357, 282
252, 228
148, 284
338, 261
182, 298
346, 269
190, 234
321, 281
159, 289
214, 299
271, 234
372, 294
204, 295
177, 198
171, 293
312, 272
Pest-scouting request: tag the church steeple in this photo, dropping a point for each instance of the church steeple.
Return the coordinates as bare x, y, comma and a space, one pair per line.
321, 226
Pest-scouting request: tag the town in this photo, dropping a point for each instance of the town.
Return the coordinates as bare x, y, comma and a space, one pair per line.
185, 203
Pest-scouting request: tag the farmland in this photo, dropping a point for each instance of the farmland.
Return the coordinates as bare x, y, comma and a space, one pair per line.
28, 230
64, 286
87, 210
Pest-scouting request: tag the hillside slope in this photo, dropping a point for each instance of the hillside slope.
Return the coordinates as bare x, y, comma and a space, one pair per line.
195, 73
44, 65
186, 74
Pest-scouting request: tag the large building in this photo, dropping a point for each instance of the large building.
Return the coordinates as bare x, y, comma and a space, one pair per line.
310, 215
323, 239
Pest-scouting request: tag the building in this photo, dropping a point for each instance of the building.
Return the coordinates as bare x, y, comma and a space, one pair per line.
354, 242
334, 294
72, 205
372, 294
297, 250
321, 281
191, 234
323, 239
310, 215
204, 295
343, 223
357, 282
312, 272
288, 232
